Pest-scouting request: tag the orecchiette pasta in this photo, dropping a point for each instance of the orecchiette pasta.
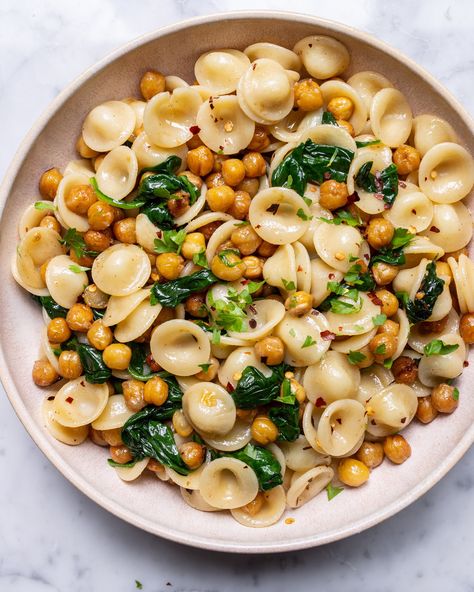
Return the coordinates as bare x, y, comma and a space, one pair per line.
308, 485
323, 57
65, 280
430, 130
117, 173
121, 269
368, 84
108, 126
391, 117
221, 70
341, 427
228, 483
79, 402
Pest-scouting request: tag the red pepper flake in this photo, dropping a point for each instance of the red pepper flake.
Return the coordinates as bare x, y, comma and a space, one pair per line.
434, 229
69, 400
221, 147
386, 206
320, 402
331, 276
466, 364
252, 323
230, 388
51, 398
402, 184
352, 198
328, 335
244, 282
327, 175
367, 256
403, 420
299, 269
194, 129
154, 367
378, 196
254, 66
211, 105
83, 383
339, 421
375, 299
252, 309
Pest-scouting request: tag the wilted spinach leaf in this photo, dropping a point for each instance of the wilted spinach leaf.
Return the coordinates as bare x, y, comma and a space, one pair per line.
328, 118
254, 388
52, 308
173, 292
394, 255
431, 287
286, 419
266, 466
384, 182
159, 214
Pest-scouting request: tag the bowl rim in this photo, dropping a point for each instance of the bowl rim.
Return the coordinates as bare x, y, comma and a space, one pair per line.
35, 430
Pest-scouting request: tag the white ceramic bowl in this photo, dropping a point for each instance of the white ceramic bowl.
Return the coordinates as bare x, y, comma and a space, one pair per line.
148, 503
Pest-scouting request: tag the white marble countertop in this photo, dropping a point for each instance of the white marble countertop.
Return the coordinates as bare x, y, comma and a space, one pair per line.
54, 538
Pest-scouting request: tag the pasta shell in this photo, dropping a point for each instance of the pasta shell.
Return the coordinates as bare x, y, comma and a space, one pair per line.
117, 173
64, 283
341, 427
308, 485
38, 246
372, 380
391, 409
411, 210
32, 217
354, 343
137, 322
228, 483
321, 274
302, 338
332, 378
323, 57
303, 267
114, 415
149, 154
119, 307
238, 437
336, 245
368, 84
463, 275
433, 370
285, 57
70, 219
121, 269
451, 226
190, 481
417, 339
132, 473
219, 236
210, 408
71, 436
274, 502
391, 117
81, 166
220, 70
279, 270
262, 317
329, 135
108, 126
301, 457
430, 130
337, 88
207, 218
79, 402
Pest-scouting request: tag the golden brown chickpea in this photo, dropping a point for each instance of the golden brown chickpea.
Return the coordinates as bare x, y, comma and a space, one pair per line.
169, 265
192, 454
181, 425
380, 232
218, 160
166, 314
428, 327
396, 449
347, 126
155, 391
233, 171
178, 204
240, 208
253, 267
100, 215
154, 466
389, 302
425, 411
48, 183
80, 199
264, 430
250, 186
96, 437
195, 305
371, 454
255, 165
266, 249
466, 327
84, 150
383, 346
94, 297
200, 161
152, 83
445, 398
260, 140
333, 195
384, 273
99, 335
308, 96
194, 179
51, 223
405, 370
85, 260
407, 159
390, 327
341, 107
270, 350
246, 239
43, 271
97, 161
221, 198
228, 266
58, 330
124, 231
209, 370
299, 303
79, 317
193, 244
209, 229
254, 507
43, 373
120, 454
247, 415
97, 240
134, 394
112, 437
117, 356
353, 472
70, 366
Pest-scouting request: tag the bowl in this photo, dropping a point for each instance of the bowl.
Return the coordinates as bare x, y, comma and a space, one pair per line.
147, 503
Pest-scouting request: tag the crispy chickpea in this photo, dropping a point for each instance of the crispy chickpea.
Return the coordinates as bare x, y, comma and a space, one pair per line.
383, 346
181, 425
228, 266
192, 454
51, 223
380, 232
79, 317
84, 150
194, 142
169, 265
425, 411
215, 180
253, 267
407, 159
94, 297
384, 273
43, 373
154, 466
97, 161
264, 430
58, 330
255, 165
155, 391
209, 372
117, 356
233, 171
371, 454
218, 160
69, 364
193, 244
466, 327
266, 249
260, 140
200, 161
341, 107
247, 415
389, 302
96, 437
444, 398
209, 229
308, 96
85, 260
270, 350
178, 204
220, 198
134, 394
255, 505
194, 179
353, 472
396, 449
98, 240
80, 199
100, 215
112, 437
152, 83
195, 305
405, 370
390, 327
43, 271
249, 185
240, 208
48, 183
347, 126
246, 239
124, 231
120, 454
299, 303
333, 195
99, 335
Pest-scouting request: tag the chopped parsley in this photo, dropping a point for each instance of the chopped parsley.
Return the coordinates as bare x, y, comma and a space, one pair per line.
343, 216
437, 347
200, 259
41, 205
308, 342
78, 268
289, 285
356, 357
75, 242
456, 394
205, 367
224, 257
380, 349
171, 241
332, 491
300, 213
379, 320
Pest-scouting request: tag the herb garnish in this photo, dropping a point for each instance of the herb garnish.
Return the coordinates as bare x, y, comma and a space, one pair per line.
173, 292
437, 347
332, 491
356, 357
171, 241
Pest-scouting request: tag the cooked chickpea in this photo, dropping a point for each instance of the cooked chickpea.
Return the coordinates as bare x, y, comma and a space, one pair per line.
80, 199
228, 266
389, 302
43, 268
249, 185
296, 388
218, 160
192, 454
84, 150
407, 159
181, 425
255, 505
134, 394
124, 231
97, 161
333, 195
396, 449
209, 371
200, 161
247, 415
240, 208
253, 267
48, 183
155, 391
97, 240
371, 454
209, 229
79, 317
384, 273
405, 370
100, 215
264, 430
99, 335
70, 364
390, 327
383, 346
368, 359
120, 454
43, 373
380, 232
308, 96
299, 303
117, 356
96, 437
255, 165
341, 107
94, 297
51, 223
425, 411
169, 265
220, 198
152, 83
233, 171
260, 140
195, 305
193, 244
154, 466
112, 437
246, 239
58, 330
266, 249
178, 204
215, 180
85, 261
444, 398
347, 126
353, 472
270, 350
194, 179
466, 327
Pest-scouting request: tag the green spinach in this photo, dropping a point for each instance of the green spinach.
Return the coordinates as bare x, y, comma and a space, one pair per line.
286, 419
430, 288
52, 308
254, 388
394, 255
159, 214
328, 118
173, 292
384, 182
265, 465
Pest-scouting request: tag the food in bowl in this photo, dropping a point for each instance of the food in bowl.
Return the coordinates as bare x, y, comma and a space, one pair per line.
252, 284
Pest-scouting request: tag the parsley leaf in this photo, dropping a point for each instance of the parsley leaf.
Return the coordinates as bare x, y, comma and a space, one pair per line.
300, 213
75, 242
343, 216
368, 143
379, 320
456, 394
205, 367
289, 285
171, 241
380, 349
332, 491
138, 584
388, 363
394, 255
356, 357
286, 396
224, 257
201, 259
308, 342
78, 268
437, 347
45, 205
363, 281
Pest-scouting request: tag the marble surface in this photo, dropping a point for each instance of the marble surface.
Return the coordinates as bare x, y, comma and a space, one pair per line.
54, 539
